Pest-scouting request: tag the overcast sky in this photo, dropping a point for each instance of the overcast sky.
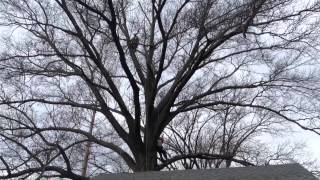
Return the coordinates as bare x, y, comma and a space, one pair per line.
312, 142
311, 139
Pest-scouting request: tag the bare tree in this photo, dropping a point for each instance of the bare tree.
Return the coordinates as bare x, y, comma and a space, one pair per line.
140, 65
215, 141
230, 136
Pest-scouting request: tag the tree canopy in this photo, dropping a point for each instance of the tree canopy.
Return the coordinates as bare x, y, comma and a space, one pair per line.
93, 84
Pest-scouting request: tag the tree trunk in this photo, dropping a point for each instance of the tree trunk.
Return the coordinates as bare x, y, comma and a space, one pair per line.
87, 150
147, 162
150, 150
147, 157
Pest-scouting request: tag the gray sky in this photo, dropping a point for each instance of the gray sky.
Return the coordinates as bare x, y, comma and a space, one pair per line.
311, 139
312, 142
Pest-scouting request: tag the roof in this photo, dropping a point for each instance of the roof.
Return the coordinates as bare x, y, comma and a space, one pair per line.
272, 172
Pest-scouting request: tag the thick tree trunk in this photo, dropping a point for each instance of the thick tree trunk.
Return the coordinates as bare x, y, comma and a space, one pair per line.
150, 159
146, 158
147, 162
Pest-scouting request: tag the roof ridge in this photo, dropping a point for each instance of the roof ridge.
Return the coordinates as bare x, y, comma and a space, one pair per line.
292, 171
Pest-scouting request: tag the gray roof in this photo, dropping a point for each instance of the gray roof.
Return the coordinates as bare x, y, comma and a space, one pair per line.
274, 172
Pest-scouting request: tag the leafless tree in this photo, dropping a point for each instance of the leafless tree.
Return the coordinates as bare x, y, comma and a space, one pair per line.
230, 136
63, 60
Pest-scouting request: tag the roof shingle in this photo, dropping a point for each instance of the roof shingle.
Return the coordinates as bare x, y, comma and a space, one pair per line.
275, 172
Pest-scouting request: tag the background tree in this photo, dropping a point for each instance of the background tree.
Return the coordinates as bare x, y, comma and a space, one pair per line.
231, 136
64, 60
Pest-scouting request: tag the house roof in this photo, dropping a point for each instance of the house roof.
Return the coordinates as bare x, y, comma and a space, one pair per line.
272, 172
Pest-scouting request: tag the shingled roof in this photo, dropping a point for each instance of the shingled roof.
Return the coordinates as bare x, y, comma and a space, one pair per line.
275, 172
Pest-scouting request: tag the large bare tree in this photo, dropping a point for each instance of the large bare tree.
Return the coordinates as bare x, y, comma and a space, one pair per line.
138, 66
231, 136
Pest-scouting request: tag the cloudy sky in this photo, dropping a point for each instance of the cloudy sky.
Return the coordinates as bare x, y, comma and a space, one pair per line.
311, 139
